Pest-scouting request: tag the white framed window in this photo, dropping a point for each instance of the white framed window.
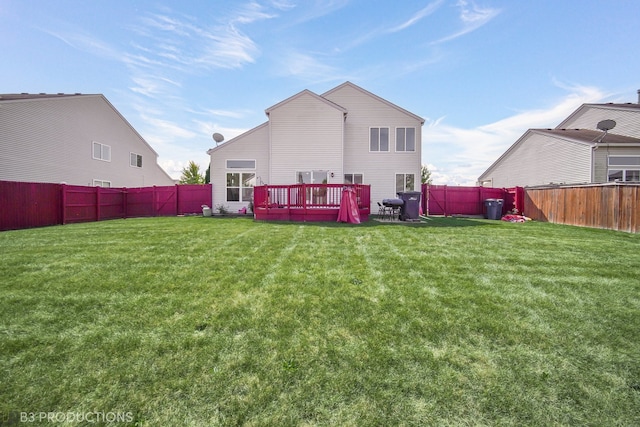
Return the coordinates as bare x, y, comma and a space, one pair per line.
101, 151
101, 183
241, 164
353, 178
405, 182
405, 139
135, 160
312, 177
240, 186
623, 168
379, 139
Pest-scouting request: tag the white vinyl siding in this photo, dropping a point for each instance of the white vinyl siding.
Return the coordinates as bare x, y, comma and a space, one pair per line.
239, 151
542, 159
48, 140
588, 117
306, 134
378, 169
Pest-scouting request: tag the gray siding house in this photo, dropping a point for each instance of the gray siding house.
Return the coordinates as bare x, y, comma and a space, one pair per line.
77, 139
575, 152
346, 135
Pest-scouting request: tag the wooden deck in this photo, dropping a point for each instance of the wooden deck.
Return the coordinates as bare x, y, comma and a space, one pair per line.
306, 202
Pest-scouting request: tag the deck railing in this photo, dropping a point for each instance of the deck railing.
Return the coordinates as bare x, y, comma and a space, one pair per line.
305, 200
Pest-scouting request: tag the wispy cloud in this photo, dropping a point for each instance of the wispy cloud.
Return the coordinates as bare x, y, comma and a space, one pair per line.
307, 67
477, 148
471, 18
421, 14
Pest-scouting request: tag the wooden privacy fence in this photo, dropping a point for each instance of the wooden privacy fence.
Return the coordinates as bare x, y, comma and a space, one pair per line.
458, 200
26, 204
613, 206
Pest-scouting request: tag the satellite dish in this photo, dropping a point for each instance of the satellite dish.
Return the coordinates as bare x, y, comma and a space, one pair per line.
218, 138
606, 125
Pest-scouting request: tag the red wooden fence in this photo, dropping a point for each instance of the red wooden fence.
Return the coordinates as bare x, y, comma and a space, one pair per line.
26, 205
446, 200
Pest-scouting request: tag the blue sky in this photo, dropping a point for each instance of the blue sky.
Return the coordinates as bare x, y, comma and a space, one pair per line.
479, 72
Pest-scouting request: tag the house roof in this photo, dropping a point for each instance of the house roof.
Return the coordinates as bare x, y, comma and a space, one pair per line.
608, 106
588, 136
373, 95
580, 136
237, 138
24, 95
302, 93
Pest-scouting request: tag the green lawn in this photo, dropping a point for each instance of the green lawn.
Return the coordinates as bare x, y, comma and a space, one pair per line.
204, 322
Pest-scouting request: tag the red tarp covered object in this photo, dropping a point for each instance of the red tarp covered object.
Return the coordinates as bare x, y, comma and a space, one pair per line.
349, 207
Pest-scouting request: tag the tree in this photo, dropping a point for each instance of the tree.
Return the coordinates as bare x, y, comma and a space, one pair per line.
191, 174
425, 175
207, 175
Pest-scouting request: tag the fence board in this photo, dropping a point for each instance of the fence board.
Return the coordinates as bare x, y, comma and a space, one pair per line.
460, 200
25, 205
609, 206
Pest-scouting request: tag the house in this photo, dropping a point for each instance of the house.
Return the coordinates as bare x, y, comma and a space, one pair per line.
346, 135
73, 138
577, 151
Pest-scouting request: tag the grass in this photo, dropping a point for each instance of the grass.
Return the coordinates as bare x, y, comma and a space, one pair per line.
200, 321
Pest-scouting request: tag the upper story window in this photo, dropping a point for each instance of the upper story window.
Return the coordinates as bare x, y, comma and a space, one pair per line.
101, 151
241, 164
623, 168
379, 139
135, 160
405, 139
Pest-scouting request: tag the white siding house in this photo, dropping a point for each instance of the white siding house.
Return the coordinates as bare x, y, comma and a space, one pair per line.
575, 152
344, 135
76, 139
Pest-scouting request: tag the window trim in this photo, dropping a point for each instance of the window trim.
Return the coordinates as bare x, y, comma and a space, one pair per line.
388, 128
404, 180
240, 187
101, 182
138, 157
240, 160
405, 139
102, 151
353, 175
622, 168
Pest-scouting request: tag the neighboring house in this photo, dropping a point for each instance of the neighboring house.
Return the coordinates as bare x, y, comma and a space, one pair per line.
575, 152
346, 135
76, 139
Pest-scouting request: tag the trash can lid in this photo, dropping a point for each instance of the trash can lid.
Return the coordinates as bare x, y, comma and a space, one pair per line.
490, 200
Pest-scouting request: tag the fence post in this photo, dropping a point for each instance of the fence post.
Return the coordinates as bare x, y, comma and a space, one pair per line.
124, 202
63, 202
177, 199
98, 192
